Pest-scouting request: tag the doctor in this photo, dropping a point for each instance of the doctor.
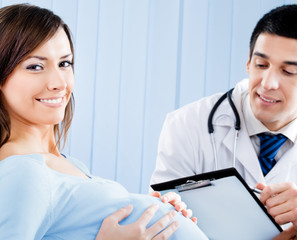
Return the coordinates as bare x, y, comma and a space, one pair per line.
266, 103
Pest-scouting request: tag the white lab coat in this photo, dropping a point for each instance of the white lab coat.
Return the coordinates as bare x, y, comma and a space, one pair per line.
185, 146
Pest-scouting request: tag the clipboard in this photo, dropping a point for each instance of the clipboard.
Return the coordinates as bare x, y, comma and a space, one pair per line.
225, 206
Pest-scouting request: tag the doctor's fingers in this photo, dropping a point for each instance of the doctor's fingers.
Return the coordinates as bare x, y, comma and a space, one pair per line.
180, 206
187, 213
284, 213
287, 234
260, 186
275, 189
155, 194
171, 197
287, 198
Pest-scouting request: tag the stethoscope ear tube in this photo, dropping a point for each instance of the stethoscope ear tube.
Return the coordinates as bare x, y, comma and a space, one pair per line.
227, 95
213, 110
237, 119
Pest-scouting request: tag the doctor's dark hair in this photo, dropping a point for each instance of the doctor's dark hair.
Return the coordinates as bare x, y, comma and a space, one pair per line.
281, 21
23, 27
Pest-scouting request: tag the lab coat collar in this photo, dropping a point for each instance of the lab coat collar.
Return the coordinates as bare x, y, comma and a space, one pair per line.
245, 152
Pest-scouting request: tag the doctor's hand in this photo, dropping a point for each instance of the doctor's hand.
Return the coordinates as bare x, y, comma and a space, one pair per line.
111, 229
280, 201
288, 234
175, 200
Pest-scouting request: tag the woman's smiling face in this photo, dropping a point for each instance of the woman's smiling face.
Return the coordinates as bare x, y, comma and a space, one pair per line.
39, 88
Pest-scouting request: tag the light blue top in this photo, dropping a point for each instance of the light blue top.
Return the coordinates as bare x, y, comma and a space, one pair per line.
37, 202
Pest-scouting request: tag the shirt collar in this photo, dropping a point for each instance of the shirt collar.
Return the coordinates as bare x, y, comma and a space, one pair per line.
254, 126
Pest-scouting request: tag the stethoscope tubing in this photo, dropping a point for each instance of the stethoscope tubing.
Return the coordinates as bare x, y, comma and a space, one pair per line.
227, 95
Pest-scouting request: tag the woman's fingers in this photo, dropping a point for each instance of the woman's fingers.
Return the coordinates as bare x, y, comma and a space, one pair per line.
161, 224
119, 215
167, 232
149, 213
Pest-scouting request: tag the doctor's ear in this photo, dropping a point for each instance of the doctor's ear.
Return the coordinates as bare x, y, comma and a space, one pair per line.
248, 65
248, 62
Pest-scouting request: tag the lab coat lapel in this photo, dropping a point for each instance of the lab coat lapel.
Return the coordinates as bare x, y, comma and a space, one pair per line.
245, 153
283, 166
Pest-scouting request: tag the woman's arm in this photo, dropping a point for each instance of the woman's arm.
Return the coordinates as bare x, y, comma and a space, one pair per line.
25, 209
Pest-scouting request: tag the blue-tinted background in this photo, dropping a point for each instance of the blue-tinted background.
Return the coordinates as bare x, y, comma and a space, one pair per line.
137, 60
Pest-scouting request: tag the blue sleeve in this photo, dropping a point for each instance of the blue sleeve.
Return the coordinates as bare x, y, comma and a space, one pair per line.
25, 209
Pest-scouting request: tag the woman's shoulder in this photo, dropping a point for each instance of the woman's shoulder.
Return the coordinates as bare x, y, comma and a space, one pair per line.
22, 167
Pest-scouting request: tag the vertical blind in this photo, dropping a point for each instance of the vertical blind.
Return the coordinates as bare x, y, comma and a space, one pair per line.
137, 60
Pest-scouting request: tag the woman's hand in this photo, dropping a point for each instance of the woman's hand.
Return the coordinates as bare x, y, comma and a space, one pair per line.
110, 228
175, 200
280, 201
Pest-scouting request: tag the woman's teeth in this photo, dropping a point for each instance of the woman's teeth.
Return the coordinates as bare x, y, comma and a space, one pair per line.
57, 100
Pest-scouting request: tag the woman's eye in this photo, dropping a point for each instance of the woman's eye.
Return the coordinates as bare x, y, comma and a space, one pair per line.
34, 67
65, 64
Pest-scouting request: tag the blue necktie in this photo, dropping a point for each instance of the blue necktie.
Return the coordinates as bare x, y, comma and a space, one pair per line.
269, 146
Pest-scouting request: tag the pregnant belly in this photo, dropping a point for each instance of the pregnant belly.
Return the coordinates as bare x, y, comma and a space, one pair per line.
187, 229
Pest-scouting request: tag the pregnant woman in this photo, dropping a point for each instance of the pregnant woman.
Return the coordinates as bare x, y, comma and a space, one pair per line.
43, 193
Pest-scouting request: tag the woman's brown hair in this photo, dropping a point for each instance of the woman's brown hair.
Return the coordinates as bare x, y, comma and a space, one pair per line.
24, 27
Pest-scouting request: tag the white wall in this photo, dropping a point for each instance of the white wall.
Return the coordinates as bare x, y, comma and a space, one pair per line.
137, 60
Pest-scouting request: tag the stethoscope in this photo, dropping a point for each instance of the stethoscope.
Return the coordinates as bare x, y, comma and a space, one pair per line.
227, 95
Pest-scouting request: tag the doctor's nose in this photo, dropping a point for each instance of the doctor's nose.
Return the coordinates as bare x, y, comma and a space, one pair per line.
270, 80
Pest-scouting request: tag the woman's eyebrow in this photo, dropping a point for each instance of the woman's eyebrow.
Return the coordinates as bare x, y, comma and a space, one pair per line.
44, 58
66, 56
38, 57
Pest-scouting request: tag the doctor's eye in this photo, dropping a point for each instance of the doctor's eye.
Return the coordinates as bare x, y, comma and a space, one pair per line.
261, 65
34, 67
290, 70
289, 73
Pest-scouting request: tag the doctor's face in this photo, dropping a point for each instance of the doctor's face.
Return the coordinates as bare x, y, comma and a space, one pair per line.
272, 71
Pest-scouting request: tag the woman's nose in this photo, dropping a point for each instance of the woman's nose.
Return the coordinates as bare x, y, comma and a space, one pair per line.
57, 81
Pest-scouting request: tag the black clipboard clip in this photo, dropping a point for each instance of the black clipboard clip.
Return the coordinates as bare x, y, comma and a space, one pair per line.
191, 184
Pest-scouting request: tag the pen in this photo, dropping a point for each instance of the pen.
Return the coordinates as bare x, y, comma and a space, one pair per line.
255, 190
